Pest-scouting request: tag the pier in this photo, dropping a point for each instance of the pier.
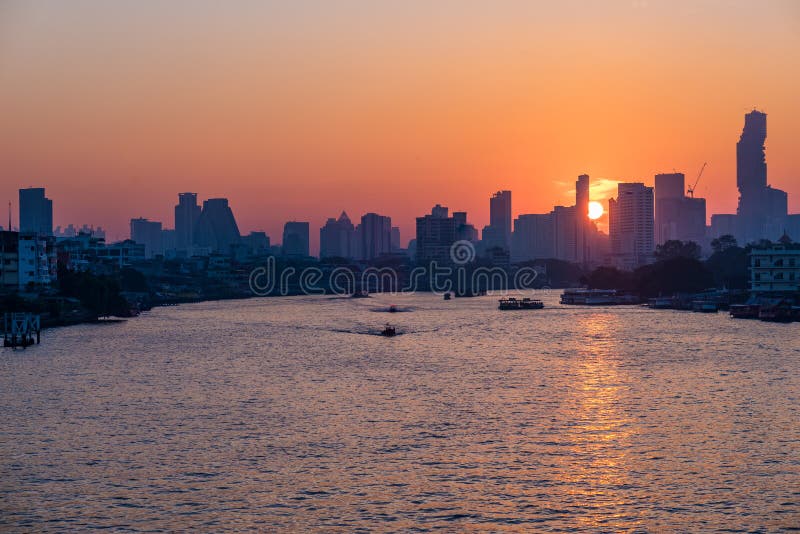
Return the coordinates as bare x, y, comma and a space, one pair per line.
21, 329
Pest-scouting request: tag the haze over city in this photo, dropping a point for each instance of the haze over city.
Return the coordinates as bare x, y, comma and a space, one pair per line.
296, 112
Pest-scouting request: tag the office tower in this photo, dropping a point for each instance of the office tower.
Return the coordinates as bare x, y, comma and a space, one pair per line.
186, 214
147, 233
583, 225
533, 237
498, 233
396, 246
295, 239
376, 235
35, 212
216, 228
762, 209
677, 216
565, 230
436, 234
336, 238
9, 260
631, 225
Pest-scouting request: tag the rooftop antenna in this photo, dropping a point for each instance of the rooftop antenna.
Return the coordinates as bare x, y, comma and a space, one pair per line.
9, 215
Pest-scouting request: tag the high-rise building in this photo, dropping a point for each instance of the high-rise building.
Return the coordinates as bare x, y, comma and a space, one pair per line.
677, 216
336, 238
35, 212
762, 209
396, 246
436, 234
565, 231
216, 228
533, 237
375, 235
631, 225
256, 243
186, 214
295, 239
583, 225
147, 233
498, 233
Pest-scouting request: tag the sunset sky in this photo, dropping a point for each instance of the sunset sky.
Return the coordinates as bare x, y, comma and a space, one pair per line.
298, 110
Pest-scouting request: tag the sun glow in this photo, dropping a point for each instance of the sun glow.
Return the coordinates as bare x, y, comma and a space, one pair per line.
595, 210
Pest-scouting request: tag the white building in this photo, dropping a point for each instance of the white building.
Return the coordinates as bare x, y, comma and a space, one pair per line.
36, 260
775, 269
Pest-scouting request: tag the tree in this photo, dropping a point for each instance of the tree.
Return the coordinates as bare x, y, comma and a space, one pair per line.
677, 249
610, 278
675, 275
729, 266
723, 242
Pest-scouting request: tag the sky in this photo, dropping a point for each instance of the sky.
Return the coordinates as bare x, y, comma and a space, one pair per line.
299, 110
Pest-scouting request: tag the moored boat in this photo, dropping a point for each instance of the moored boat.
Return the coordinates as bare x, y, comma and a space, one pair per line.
704, 306
512, 303
744, 311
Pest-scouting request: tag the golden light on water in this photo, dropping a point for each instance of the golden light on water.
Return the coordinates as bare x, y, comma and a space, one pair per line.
595, 210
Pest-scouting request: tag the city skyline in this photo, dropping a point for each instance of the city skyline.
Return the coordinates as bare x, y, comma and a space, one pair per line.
347, 116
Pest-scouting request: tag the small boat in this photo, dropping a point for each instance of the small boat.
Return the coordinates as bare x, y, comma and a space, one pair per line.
388, 331
392, 308
512, 303
744, 311
448, 296
778, 313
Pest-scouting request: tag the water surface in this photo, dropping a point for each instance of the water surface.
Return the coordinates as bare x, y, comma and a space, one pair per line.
291, 414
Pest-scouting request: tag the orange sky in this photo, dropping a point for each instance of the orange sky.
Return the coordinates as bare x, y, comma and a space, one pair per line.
300, 111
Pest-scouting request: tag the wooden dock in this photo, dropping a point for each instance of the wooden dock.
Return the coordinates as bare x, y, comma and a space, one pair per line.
21, 329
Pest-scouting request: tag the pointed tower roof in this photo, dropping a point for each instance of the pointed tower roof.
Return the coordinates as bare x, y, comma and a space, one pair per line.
785, 239
343, 217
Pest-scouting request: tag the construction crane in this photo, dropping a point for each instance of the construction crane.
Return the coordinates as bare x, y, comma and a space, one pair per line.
690, 191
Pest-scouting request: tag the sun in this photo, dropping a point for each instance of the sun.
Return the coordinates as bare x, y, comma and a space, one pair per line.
595, 210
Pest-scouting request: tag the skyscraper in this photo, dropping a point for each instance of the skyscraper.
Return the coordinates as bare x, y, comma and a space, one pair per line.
147, 233
295, 239
631, 225
498, 233
35, 212
762, 209
436, 234
216, 228
375, 235
533, 237
186, 214
583, 226
336, 238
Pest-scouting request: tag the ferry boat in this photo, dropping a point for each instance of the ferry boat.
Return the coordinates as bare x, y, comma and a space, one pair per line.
448, 296
781, 312
512, 303
590, 297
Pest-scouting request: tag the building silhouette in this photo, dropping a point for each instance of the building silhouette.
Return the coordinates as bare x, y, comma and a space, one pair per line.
677, 216
533, 237
149, 234
336, 238
186, 214
498, 233
631, 223
436, 234
375, 236
35, 212
216, 229
762, 209
295, 239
